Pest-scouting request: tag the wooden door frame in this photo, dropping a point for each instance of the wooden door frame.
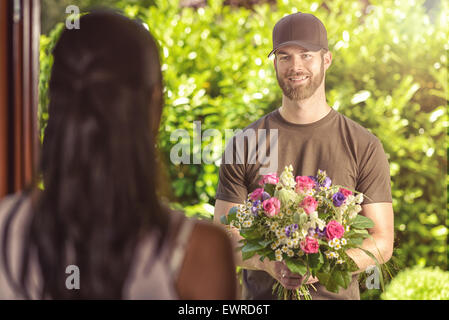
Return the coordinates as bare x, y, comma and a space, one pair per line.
19, 79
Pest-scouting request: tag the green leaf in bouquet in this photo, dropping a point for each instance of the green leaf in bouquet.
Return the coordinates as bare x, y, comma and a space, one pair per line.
252, 246
296, 266
224, 220
362, 222
329, 281
351, 266
355, 241
248, 255
322, 242
296, 218
315, 260
342, 278
326, 267
359, 232
232, 214
250, 234
269, 188
265, 243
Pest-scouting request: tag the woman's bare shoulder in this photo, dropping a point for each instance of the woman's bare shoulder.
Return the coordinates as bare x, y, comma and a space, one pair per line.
208, 271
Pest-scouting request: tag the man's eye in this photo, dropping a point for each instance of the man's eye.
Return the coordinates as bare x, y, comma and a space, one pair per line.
307, 56
284, 58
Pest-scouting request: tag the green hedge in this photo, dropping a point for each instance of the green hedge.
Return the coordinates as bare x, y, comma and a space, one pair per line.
418, 283
389, 74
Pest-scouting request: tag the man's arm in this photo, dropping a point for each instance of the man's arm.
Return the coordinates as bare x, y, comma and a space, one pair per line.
222, 208
380, 244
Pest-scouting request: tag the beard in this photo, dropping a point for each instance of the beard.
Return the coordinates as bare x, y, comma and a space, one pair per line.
302, 91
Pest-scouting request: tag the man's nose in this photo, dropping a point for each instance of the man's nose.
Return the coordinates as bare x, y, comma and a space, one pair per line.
297, 64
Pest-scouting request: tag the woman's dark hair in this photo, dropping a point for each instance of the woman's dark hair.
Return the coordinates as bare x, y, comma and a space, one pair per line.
98, 159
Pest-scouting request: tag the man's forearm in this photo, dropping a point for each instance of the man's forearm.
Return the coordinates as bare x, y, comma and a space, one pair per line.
253, 263
376, 246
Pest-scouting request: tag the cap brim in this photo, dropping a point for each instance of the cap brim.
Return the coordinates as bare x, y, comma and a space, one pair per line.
305, 45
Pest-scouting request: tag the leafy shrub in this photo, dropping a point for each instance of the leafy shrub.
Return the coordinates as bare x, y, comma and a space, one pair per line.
418, 283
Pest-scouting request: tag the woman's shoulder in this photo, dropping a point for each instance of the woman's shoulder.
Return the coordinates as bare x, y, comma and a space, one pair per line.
208, 271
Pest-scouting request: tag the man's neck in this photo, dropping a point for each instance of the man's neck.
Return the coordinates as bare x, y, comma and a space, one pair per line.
304, 111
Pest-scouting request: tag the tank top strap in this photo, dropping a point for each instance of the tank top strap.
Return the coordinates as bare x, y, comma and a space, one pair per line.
179, 247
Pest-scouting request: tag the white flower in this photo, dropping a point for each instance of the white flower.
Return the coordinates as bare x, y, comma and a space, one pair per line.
337, 246
315, 221
278, 254
350, 198
286, 178
331, 243
273, 246
290, 253
295, 242
284, 249
343, 241
247, 223
340, 261
359, 198
331, 255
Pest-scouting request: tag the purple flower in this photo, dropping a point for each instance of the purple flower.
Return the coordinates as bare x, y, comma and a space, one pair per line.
338, 199
254, 208
265, 196
320, 233
290, 229
327, 182
311, 232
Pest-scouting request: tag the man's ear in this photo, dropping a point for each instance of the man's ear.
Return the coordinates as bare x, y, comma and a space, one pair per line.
327, 59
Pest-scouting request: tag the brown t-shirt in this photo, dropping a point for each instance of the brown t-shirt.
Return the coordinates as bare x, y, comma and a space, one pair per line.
350, 154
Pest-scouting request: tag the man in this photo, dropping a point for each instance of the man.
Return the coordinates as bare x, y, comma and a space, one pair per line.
310, 136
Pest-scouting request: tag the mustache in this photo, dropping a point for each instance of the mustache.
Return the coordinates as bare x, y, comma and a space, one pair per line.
298, 74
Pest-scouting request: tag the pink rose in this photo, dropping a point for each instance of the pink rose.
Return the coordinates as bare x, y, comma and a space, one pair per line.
334, 230
345, 192
271, 206
309, 204
309, 245
256, 194
271, 178
304, 183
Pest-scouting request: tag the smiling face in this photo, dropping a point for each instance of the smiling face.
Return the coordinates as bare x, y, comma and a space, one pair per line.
299, 72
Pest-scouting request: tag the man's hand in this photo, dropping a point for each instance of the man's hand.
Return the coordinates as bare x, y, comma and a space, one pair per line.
289, 280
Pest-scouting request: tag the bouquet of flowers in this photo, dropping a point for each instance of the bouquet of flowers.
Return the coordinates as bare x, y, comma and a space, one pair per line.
306, 222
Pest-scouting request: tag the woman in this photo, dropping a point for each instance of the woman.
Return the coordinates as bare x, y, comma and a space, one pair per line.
99, 210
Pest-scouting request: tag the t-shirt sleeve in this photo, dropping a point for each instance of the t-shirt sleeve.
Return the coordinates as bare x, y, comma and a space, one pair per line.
231, 181
374, 174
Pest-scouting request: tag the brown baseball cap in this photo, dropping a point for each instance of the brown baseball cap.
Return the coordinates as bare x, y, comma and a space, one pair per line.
302, 29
